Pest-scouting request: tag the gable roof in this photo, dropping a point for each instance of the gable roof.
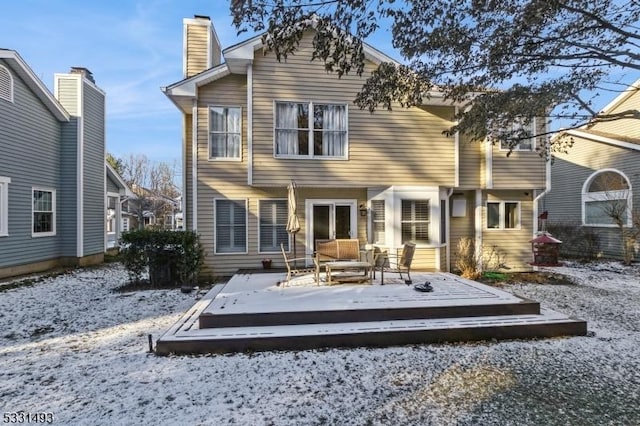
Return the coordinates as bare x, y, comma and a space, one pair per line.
615, 140
622, 97
235, 61
117, 179
20, 67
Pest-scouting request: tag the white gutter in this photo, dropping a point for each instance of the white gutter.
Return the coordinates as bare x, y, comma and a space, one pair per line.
547, 187
448, 231
478, 223
250, 124
194, 165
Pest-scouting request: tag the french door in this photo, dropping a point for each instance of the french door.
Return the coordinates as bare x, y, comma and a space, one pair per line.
330, 219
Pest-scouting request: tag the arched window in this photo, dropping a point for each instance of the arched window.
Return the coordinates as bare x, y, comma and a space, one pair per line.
6, 84
606, 199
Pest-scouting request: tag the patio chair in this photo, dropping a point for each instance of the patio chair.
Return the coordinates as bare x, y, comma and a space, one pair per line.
384, 261
293, 270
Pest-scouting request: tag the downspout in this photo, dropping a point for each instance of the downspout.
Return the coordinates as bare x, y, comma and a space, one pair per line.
478, 220
547, 187
194, 165
80, 174
250, 124
448, 231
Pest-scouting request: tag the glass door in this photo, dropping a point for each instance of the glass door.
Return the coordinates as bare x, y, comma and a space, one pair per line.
331, 219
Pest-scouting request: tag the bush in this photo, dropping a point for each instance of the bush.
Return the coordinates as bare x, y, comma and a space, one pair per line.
578, 241
170, 257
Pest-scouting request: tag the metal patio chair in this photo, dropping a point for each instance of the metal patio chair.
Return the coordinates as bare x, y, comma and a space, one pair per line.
384, 261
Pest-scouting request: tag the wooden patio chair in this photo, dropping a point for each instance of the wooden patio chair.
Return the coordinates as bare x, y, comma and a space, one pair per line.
294, 270
386, 262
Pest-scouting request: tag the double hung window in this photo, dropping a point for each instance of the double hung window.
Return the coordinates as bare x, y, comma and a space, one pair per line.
523, 131
225, 133
43, 212
310, 130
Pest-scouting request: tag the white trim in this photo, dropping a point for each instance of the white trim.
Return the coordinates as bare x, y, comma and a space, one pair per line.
250, 124
603, 139
10, 84
311, 131
246, 226
209, 157
456, 148
183, 199
587, 196
39, 88
633, 88
478, 226
194, 165
308, 205
53, 210
502, 215
4, 206
80, 170
488, 158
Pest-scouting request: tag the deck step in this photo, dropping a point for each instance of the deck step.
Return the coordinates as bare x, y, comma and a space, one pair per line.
261, 319
189, 338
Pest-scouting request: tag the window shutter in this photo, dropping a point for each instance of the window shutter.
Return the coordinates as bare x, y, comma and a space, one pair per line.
273, 225
378, 219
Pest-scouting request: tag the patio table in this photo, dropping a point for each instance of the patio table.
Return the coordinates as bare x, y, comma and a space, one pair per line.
352, 271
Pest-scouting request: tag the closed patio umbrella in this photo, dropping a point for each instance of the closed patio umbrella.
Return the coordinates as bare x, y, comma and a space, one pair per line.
293, 223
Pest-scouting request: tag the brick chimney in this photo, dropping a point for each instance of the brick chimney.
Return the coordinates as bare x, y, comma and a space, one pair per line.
201, 47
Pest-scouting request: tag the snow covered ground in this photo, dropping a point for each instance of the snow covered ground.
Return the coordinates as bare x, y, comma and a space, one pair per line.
71, 346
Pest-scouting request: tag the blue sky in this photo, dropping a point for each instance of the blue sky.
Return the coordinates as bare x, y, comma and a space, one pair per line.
133, 48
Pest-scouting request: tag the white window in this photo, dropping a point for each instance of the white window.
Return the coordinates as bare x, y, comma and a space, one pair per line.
503, 215
230, 225
606, 199
4, 206
6, 84
310, 130
415, 221
111, 214
523, 130
378, 221
273, 225
44, 212
225, 133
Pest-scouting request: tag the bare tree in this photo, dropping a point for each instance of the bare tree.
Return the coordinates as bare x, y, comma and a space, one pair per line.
503, 61
153, 185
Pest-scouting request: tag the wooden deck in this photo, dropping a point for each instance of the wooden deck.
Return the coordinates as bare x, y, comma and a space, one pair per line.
251, 312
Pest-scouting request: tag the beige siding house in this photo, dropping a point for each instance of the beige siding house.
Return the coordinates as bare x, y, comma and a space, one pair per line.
602, 168
253, 124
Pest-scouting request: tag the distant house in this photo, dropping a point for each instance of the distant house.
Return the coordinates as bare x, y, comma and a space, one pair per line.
52, 169
118, 193
253, 124
600, 171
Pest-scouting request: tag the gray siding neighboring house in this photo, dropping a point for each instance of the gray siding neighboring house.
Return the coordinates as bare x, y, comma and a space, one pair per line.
52, 169
602, 152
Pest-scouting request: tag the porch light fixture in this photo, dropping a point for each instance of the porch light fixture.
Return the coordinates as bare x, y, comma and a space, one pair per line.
363, 210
